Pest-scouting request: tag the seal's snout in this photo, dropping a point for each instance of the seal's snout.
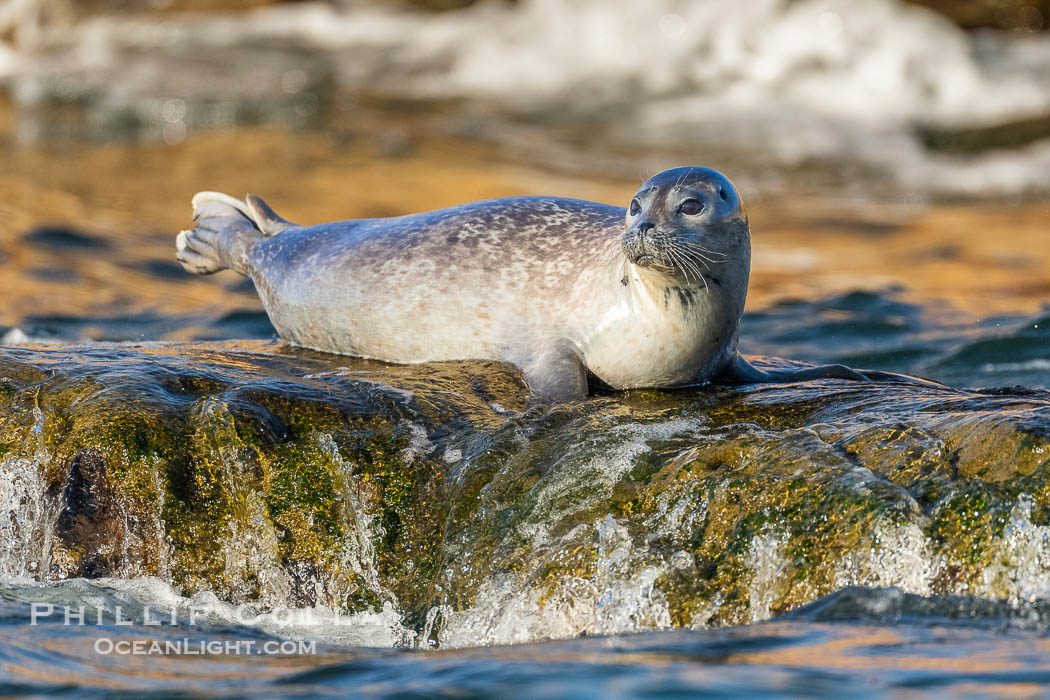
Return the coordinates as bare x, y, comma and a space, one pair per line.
639, 243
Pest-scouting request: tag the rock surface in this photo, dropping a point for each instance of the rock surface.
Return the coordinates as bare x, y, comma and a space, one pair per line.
279, 477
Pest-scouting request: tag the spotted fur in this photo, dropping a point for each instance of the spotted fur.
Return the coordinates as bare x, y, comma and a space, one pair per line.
552, 285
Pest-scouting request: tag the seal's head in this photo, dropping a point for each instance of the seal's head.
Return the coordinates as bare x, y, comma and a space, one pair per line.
686, 222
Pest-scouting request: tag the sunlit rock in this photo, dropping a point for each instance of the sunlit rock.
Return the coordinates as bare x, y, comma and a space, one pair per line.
438, 498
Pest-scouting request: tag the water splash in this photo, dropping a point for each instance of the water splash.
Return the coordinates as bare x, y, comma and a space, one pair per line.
253, 568
358, 552
768, 564
1020, 567
27, 514
899, 555
613, 596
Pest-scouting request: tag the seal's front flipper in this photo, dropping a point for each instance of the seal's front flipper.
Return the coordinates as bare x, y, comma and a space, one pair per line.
740, 371
226, 230
556, 376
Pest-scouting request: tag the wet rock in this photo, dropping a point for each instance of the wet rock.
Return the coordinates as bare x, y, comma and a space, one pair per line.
280, 477
162, 97
1016, 133
89, 519
1012, 15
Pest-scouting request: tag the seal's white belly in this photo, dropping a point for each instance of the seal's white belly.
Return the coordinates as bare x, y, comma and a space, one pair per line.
647, 341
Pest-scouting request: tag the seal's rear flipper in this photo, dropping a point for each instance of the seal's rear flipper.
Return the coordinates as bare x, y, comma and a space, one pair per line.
226, 229
740, 371
264, 217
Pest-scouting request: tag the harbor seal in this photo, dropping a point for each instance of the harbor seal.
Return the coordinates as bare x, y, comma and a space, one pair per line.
650, 296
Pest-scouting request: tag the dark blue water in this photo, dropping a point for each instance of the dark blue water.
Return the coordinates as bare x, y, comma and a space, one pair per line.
878, 331
858, 642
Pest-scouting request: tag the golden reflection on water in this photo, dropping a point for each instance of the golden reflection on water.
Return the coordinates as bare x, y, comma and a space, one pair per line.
901, 659
982, 258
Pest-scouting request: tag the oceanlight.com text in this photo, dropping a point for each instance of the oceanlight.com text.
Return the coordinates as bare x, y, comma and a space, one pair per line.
200, 647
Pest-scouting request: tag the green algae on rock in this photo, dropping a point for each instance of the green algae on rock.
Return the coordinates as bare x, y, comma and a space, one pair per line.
269, 475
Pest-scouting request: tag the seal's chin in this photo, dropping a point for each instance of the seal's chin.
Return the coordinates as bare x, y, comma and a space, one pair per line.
649, 260
648, 257
642, 253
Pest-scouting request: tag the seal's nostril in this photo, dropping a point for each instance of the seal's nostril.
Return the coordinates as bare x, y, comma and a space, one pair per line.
645, 227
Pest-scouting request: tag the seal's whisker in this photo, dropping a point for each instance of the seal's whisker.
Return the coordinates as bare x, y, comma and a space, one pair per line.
700, 277
693, 259
711, 257
678, 262
699, 273
685, 240
679, 237
705, 261
692, 245
702, 256
707, 257
683, 177
687, 250
686, 265
710, 254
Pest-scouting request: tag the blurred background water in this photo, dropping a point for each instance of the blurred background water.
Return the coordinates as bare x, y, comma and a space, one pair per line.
894, 158
891, 148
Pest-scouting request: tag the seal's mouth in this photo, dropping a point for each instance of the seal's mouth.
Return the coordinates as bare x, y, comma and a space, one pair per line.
670, 251
642, 249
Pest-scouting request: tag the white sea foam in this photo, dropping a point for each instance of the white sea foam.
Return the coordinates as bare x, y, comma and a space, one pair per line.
598, 467
1020, 567
27, 514
26, 519
1036, 365
616, 597
150, 600
419, 444
768, 564
781, 82
899, 556
16, 336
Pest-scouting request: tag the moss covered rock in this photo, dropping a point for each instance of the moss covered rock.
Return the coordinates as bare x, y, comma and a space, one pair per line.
281, 477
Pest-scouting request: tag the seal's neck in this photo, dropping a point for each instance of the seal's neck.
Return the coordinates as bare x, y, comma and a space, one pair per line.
721, 291
647, 284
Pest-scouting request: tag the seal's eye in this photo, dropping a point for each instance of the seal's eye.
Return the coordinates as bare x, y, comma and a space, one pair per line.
691, 206
635, 207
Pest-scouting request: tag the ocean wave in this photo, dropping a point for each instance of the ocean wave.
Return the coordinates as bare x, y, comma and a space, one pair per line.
770, 84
